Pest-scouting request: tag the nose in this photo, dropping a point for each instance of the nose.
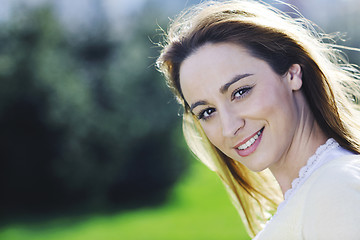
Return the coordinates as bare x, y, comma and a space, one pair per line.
231, 122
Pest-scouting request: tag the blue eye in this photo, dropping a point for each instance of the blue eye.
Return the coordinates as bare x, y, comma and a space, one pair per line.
240, 92
206, 113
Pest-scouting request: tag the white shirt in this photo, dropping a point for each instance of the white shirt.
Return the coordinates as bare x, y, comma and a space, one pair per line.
324, 202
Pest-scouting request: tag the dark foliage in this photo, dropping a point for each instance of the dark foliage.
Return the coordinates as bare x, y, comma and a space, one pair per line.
85, 120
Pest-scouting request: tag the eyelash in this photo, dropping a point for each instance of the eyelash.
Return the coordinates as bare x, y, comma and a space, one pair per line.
245, 90
201, 114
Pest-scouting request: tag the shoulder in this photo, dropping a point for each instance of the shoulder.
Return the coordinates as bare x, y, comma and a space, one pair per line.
332, 205
347, 167
337, 175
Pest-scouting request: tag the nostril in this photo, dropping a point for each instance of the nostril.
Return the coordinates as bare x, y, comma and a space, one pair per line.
233, 126
240, 127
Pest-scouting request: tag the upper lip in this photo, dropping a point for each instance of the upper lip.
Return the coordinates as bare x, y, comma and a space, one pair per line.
247, 139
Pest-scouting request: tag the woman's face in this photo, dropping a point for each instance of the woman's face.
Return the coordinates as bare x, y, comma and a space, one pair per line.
246, 110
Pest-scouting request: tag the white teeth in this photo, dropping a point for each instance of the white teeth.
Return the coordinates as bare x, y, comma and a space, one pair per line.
249, 142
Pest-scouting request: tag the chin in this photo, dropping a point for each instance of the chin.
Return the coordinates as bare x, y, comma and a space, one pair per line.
256, 167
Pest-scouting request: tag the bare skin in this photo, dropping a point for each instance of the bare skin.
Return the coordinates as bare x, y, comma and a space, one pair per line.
249, 112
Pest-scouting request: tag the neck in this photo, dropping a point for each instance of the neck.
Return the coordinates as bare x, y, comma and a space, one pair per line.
308, 137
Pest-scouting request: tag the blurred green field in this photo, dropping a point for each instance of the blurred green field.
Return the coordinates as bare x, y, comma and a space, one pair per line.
199, 208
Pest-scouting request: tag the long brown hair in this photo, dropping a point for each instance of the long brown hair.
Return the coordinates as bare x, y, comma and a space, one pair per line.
329, 85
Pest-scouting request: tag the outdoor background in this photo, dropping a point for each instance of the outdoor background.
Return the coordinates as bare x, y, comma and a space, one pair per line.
90, 137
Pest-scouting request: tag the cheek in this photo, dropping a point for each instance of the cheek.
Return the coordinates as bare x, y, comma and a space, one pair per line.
213, 133
281, 111
275, 107
261, 106
273, 99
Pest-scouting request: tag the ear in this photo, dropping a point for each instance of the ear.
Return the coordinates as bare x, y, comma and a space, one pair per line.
294, 77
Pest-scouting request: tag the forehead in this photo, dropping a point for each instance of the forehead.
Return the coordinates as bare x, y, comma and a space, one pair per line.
215, 64
214, 53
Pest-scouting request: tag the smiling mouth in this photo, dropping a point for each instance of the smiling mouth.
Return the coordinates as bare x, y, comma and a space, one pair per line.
251, 141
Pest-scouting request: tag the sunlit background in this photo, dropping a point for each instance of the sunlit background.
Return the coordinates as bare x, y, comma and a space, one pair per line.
90, 137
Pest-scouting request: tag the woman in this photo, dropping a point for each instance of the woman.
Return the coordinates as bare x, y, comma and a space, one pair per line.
266, 98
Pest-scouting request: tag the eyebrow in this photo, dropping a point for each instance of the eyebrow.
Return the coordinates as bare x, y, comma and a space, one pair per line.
194, 105
224, 88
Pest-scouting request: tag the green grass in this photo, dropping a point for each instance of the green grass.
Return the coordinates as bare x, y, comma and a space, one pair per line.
198, 209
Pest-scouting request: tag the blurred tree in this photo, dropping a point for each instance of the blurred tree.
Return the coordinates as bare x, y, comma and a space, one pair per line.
85, 119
